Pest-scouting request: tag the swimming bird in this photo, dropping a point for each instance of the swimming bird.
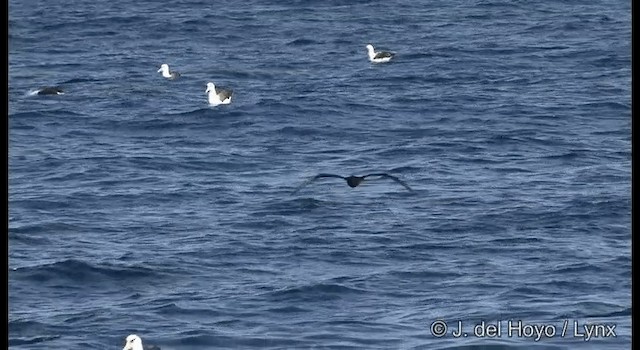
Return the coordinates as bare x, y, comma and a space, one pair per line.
379, 57
353, 181
133, 342
217, 97
50, 90
164, 68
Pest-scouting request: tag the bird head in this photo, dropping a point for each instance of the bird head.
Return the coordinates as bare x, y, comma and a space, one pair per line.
133, 342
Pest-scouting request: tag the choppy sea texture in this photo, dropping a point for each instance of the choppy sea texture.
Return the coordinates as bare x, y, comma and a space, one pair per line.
134, 207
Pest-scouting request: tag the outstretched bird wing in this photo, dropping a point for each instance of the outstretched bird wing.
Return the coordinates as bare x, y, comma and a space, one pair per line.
392, 178
313, 179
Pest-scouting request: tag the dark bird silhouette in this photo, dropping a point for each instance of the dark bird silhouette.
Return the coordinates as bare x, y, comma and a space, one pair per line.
50, 90
353, 181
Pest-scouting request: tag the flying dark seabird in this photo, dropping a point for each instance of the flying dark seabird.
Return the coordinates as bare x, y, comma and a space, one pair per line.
353, 181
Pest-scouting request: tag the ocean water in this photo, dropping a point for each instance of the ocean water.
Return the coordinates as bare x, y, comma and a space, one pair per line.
135, 207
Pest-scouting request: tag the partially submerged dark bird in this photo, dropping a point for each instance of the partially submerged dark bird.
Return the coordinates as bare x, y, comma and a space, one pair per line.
353, 181
50, 90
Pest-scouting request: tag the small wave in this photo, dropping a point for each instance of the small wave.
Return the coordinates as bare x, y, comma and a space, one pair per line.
402, 152
207, 113
197, 112
292, 206
415, 56
21, 332
405, 169
228, 342
429, 246
196, 22
564, 156
21, 325
263, 224
46, 114
26, 232
512, 170
257, 271
79, 80
502, 139
433, 275
608, 105
308, 203
315, 240
516, 240
288, 310
594, 309
526, 292
494, 346
298, 131
621, 313
155, 124
624, 260
82, 316
31, 340
580, 268
80, 271
302, 42
314, 292
173, 310
41, 204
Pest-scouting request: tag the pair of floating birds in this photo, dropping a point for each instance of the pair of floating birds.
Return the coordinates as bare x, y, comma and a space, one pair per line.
215, 96
353, 181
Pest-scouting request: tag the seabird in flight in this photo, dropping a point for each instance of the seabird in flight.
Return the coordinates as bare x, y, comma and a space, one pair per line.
353, 181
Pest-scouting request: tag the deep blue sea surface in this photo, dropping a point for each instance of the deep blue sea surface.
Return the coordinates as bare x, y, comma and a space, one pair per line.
135, 207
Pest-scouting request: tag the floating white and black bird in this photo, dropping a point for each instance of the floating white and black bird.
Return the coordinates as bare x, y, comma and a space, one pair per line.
133, 342
353, 181
379, 57
218, 96
164, 69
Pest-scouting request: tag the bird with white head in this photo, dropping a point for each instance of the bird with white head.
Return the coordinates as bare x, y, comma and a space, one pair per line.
164, 69
218, 96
